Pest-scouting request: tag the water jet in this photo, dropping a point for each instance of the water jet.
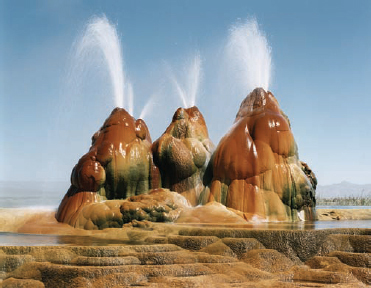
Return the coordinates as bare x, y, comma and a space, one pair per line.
248, 56
253, 177
188, 90
100, 36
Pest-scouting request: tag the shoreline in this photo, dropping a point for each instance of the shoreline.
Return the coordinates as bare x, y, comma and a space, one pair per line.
36, 221
329, 214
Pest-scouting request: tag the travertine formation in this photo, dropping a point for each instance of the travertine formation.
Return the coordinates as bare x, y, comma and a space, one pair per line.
118, 165
158, 205
182, 154
256, 168
198, 257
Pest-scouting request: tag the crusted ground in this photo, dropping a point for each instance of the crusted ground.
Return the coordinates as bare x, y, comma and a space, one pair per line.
199, 257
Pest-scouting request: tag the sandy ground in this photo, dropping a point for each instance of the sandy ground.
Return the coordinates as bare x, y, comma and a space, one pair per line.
343, 214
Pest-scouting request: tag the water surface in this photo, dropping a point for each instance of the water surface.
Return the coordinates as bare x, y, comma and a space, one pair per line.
342, 207
19, 239
27, 218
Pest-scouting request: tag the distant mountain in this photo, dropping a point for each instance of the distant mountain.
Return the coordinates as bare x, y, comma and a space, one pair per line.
344, 189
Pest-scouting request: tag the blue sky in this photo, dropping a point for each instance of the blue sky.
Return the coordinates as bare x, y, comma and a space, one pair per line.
321, 77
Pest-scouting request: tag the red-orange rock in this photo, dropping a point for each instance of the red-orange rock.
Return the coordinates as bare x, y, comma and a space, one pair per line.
256, 168
118, 165
182, 154
71, 206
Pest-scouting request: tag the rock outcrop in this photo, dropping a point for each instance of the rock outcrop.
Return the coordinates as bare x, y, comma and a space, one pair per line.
256, 168
118, 165
182, 154
159, 205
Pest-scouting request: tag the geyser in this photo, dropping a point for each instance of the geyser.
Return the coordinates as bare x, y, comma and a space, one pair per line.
249, 56
188, 90
254, 171
101, 36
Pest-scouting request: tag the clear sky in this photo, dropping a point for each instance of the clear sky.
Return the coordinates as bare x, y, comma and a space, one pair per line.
321, 52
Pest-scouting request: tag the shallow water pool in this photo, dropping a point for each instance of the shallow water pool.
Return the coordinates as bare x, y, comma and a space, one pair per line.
20, 239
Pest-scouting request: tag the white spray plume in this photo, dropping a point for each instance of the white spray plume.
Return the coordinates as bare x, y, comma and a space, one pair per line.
130, 94
101, 35
249, 55
147, 107
189, 90
194, 79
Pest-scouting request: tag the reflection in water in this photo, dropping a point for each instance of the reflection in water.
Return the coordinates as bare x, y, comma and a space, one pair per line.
32, 227
343, 224
303, 225
18, 239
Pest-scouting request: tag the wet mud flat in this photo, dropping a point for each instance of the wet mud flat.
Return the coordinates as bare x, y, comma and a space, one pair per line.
186, 256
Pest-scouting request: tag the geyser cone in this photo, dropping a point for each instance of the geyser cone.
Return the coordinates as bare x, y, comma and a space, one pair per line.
256, 168
118, 165
182, 154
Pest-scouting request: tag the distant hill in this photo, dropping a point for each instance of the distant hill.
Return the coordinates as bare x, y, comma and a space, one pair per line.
343, 189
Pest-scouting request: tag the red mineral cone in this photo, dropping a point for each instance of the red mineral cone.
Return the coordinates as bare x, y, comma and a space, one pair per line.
182, 154
256, 168
118, 165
